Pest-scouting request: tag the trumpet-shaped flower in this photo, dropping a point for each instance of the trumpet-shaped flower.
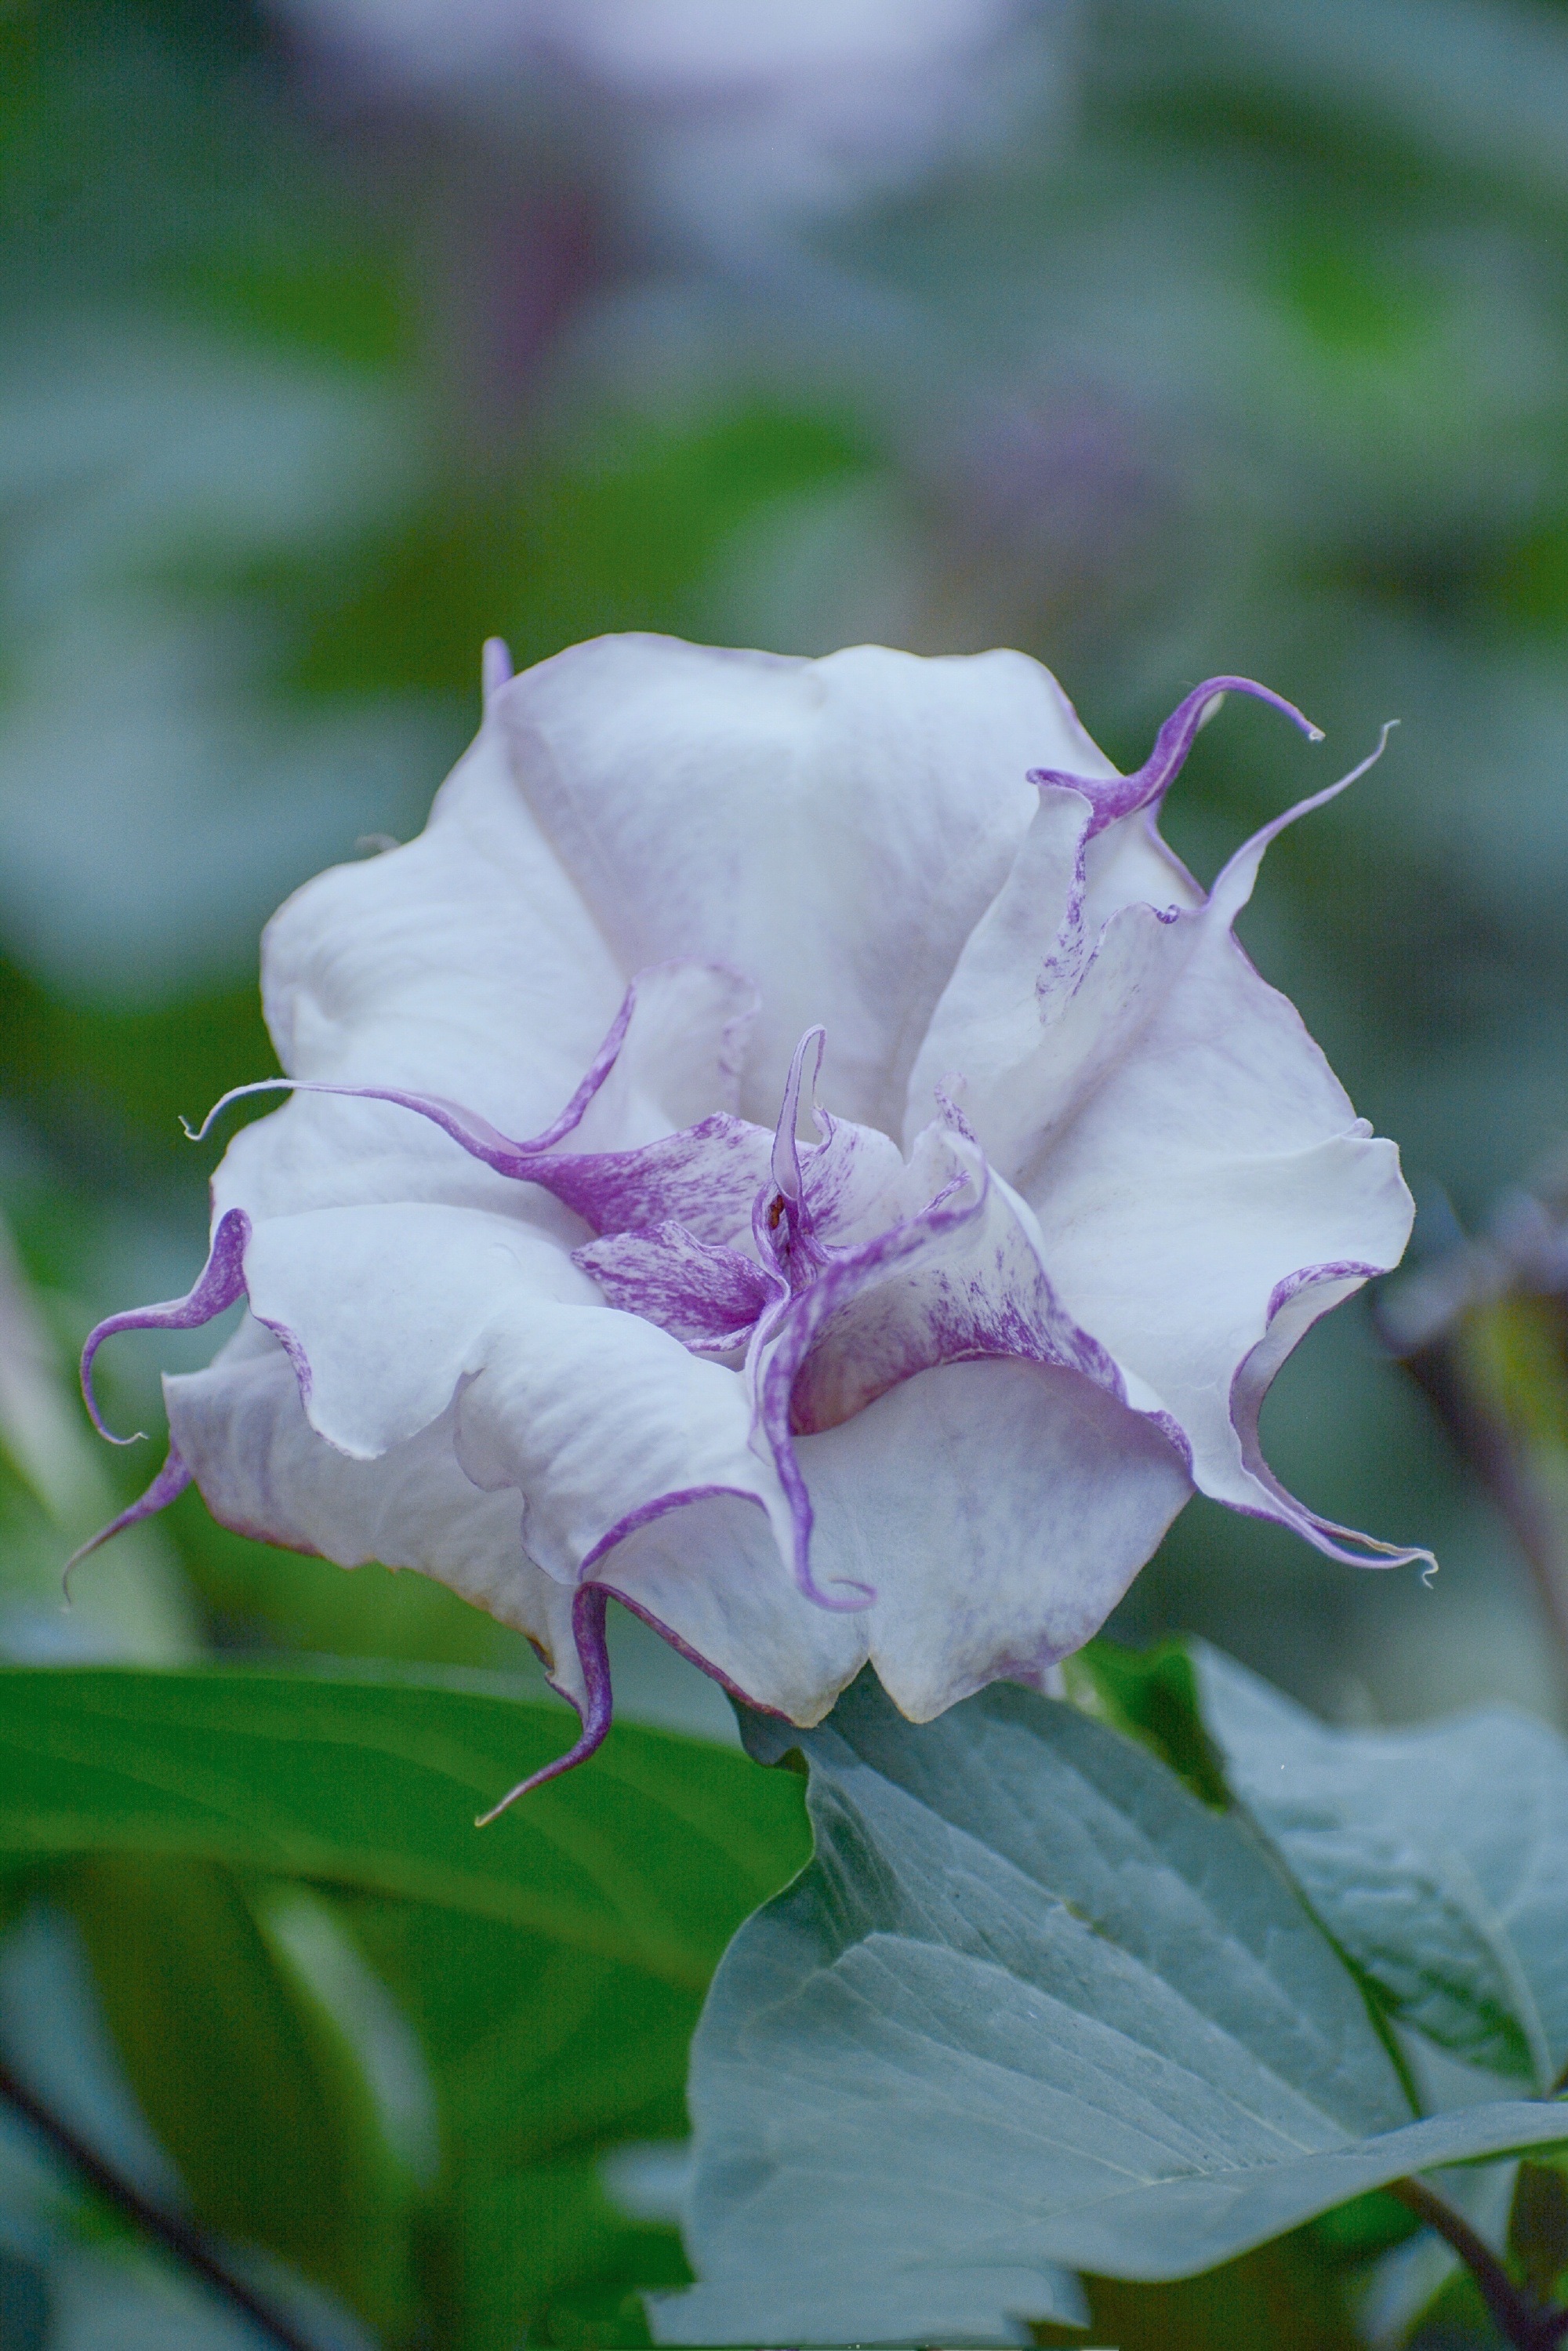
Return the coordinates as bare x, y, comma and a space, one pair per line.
789, 1147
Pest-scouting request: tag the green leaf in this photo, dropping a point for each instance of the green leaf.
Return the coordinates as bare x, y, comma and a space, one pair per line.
1032, 2004
1151, 1695
550, 2247
1538, 2228
1436, 1855
652, 1855
552, 1965
246, 2072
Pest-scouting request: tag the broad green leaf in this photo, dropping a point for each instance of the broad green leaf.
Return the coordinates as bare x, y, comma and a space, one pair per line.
652, 1855
545, 2242
244, 2070
1151, 1695
1436, 1855
552, 1965
1032, 2005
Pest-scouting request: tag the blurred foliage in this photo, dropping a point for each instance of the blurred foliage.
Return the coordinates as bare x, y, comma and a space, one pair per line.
375, 2042
1248, 351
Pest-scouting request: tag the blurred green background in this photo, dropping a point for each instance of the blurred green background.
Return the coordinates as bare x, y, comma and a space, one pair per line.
1156, 336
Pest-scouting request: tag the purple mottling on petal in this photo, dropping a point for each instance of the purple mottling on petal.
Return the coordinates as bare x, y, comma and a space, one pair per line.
707, 1298
293, 1347
1171, 1428
1119, 796
167, 1487
676, 1498
784, 1339
219, 1283
1064, 967
588, 1611
1307, 1277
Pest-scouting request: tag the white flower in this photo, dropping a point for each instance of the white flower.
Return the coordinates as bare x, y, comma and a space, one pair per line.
770, 106
921, 1374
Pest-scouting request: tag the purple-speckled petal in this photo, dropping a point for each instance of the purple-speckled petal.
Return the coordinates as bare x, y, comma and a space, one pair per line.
960, 1277
1147, 785
594, 1711
215, 1288
707, 1298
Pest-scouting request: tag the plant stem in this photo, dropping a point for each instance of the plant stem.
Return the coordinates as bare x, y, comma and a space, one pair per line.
176, 2236
1515, 2316
1500, 1461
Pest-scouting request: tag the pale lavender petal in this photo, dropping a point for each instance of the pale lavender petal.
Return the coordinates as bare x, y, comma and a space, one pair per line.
495, 666
600, 1421
705, 1175
587, 1609
1037, 1498
707, 1298
388, 1307
833, 828
215, 1288
264, 1471
713, 1577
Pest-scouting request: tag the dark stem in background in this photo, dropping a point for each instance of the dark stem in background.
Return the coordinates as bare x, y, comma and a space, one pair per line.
1497, 1458
1515, 2316
176, 2236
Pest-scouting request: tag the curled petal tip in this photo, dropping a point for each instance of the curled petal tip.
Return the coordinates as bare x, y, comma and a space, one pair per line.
495, 665
595, 1709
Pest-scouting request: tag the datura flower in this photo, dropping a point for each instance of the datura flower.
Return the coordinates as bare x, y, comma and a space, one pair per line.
790, 1148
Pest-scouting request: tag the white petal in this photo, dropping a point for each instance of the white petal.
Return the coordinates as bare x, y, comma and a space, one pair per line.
602, 1423
999, 1509
711, 1578
832, 829
263, 1471
1197, 1157
386, 1309
1195, 1164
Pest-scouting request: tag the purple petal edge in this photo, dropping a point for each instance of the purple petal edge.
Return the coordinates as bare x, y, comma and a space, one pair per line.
588, 1614
167, 1487
1325, 1535
219, 1283
1118, 796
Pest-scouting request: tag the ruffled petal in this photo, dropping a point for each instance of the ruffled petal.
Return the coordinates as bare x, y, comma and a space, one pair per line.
710, 1576
385, 1310
672, 1055
604, 1423
833, 828
264, 1471
1193, 1161
1038, 1497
